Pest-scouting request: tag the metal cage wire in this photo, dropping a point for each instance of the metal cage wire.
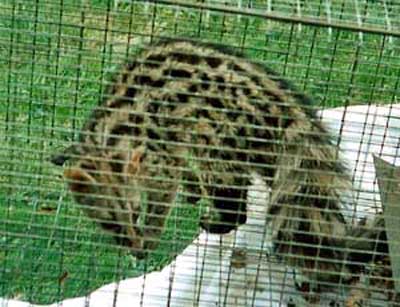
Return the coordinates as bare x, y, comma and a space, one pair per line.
59, 58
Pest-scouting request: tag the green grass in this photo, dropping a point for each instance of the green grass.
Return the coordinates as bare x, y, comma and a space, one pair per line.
54, 68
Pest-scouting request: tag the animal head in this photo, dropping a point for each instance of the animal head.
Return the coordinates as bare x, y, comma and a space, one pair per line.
107, 187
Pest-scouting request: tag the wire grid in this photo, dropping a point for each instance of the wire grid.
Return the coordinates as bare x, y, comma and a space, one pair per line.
57, 59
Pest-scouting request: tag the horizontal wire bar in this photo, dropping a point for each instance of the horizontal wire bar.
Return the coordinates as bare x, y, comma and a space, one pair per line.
344, 25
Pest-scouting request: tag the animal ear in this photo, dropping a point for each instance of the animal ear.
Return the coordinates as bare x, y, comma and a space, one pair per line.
134, 161
79, 180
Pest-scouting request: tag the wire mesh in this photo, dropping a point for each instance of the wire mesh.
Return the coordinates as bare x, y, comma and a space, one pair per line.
59, 60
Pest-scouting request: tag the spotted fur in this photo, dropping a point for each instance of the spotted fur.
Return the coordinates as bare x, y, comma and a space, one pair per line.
190, 116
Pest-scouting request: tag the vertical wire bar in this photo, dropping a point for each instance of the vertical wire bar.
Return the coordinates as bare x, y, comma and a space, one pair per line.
153, 22
388, 21
259, 260
31, 110
359, 19
269, 10
244, 36
330, 69
60, 202
363, 167
310, 57
9, 76
239, 6
385, 73
353, 74
78, 70
298, 11
130, 31
33, 259
333, 57
32, 73
200, 22
287, 53
57, 222
104, 51
377, 69
329, 17
56, 72
120, 274
177, 13
7, 119
223, 28
200, 270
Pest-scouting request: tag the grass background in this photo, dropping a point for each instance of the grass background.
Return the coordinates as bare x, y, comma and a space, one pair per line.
55, 60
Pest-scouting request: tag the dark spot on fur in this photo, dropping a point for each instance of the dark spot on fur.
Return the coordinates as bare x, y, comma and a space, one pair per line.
219, 79
246, 91
117, 166
147, 80
172, 136
177, 73
182, 97
158, 83
122, 129
233, 115
192, 88
250, 119
241, 132
261, 132
221, 87
256, 80
143, 80
124, 77
153, 107
86, 165
202, 113
99, 113
112, 227
155, 60
214, 102
186, 57
213, 62
237, 68
271, 94
117, 132
152, 134
131, 66
91, 123
136, 118
221, 83
119, 103
241, 156
131, 92
205, 81
230, 142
